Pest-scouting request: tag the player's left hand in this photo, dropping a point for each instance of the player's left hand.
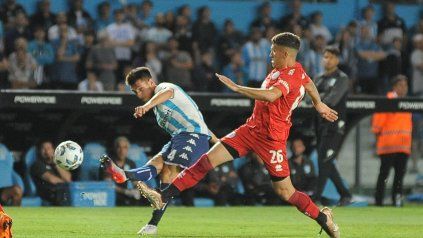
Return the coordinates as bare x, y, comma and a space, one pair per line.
228, 82
140, 111
326, 112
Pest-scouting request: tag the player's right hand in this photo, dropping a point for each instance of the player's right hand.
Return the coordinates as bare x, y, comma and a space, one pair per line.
140, 111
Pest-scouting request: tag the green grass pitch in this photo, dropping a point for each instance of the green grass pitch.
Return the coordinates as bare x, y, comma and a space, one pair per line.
213, 222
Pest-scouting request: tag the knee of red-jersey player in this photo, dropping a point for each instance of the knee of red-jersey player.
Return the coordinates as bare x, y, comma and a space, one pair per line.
284, 191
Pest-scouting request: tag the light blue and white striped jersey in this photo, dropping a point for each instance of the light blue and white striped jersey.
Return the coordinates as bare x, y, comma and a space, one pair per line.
179, 113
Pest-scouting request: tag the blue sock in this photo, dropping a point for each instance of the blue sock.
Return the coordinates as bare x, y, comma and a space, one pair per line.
143, 173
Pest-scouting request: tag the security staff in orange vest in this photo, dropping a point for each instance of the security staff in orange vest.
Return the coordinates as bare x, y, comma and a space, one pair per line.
393, 135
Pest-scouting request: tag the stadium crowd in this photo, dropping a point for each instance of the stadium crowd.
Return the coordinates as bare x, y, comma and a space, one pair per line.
72, 50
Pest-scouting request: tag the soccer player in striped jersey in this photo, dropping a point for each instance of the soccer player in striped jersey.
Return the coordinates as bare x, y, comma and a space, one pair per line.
178, 115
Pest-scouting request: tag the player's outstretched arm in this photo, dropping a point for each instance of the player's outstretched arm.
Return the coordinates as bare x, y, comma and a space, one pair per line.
159, 98
268, 95
324, 111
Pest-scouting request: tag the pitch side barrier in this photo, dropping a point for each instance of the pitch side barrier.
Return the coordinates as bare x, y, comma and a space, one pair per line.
206, 101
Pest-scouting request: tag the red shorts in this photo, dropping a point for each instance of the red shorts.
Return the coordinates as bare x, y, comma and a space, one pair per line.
273, 153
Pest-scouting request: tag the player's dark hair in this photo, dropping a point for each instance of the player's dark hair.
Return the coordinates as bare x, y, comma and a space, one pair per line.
397, 78
333, 50
140, 73
41, 142
287, 39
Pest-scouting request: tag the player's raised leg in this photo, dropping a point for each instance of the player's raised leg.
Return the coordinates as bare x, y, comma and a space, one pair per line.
144, 173
189, 177
304, 204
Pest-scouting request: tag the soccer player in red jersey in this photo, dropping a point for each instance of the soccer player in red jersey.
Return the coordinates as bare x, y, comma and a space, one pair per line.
264, 133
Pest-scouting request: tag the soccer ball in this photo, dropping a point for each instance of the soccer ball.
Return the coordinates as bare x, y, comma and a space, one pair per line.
68, 155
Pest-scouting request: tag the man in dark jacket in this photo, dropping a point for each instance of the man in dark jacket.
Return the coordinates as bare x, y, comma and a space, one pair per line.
333, 86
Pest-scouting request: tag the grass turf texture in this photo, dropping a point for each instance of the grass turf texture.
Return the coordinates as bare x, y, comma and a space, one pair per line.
213, 222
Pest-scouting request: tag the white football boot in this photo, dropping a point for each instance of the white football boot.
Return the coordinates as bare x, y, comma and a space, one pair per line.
148, 230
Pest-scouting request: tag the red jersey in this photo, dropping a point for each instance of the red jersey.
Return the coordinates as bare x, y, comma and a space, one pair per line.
273, 119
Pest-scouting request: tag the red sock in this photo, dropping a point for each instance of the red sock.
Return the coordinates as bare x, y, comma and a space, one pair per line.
304, 204
194, 174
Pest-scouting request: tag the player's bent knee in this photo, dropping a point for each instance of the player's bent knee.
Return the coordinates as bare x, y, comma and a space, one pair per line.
283, 193
157, 161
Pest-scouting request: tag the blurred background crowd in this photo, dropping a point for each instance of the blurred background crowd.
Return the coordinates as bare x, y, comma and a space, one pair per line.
73, 50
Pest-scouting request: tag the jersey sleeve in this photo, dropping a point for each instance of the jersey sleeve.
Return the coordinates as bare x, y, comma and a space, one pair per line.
305, 79
282, 85
163, 86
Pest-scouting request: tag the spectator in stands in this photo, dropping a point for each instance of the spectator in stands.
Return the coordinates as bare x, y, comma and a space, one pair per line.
183, 33
393, 136
347, 59
43, 17
83, 50
264, 17
79, 18
185, 11
158, 34
61, 23
417, 65
22, 66
8, 11
4, 68
170, 21
313, 60
203, 31
104, 17
230, 42
102, 59
178, 66
20, 30
303, 174
42, 52
367, 20
146, 13
255, 54
204, 79
418, 27
305, 38
220, 184
132, 16
149, 58
294, 18
122, 37
49, 179
126, 195
11, 196
369, 53
63, 72
90, 83
390, 66
235, 70
390, 26
318, 28
255, 178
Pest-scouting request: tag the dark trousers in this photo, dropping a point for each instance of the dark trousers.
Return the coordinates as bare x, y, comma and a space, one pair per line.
328, 148
399, 162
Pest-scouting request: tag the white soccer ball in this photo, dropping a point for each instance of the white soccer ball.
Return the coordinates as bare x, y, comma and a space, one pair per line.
68, 155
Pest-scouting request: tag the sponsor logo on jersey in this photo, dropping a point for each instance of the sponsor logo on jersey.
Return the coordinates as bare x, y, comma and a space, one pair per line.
101, 100
35, 99
278, 167
286, 85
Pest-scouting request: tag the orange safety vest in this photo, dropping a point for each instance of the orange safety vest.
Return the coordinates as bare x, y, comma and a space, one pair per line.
393, 131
